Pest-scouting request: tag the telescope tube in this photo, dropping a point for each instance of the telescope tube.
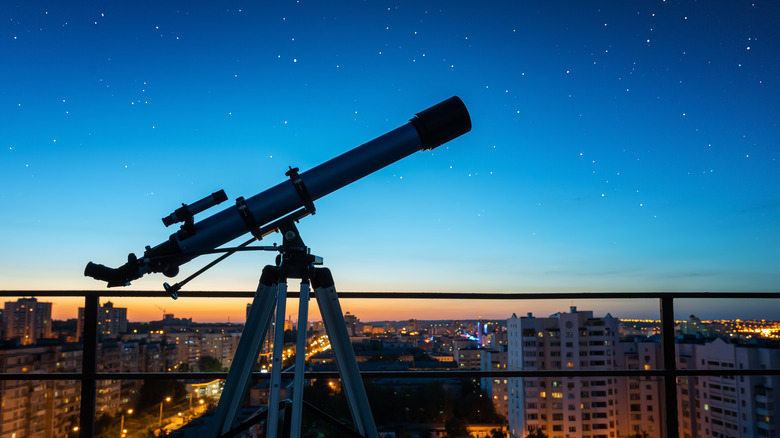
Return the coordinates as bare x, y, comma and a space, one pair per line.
427, 130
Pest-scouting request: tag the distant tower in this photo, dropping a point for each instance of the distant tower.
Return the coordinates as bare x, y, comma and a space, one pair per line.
112, 321
268, 342
351, 321
26, 320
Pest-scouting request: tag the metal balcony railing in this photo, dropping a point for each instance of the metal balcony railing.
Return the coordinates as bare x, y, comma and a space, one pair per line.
669, 371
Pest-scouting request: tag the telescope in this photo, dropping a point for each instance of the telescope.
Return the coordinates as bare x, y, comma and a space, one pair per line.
427, 130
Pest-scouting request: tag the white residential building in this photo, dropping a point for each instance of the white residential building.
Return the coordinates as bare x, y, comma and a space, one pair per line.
586, 407
728, 406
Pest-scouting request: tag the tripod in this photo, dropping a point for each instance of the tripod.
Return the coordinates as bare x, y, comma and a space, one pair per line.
294, 261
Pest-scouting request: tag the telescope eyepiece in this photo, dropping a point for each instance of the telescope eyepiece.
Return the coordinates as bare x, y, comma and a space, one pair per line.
121, 276
442, 122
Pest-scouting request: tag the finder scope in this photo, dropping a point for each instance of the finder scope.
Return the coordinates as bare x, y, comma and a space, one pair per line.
427, 130
186, 212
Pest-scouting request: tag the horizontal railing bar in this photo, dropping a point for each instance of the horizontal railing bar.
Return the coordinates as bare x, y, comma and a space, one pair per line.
404, 374
405, 295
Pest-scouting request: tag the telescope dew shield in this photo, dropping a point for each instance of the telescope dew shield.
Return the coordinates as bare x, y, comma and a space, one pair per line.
442, 122
427, 130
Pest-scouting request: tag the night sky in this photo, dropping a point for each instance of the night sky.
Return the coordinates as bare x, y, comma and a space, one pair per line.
616, 146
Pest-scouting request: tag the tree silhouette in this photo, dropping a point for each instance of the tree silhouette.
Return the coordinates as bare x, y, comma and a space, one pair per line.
208, 364
154, 391
497, 433
456, 427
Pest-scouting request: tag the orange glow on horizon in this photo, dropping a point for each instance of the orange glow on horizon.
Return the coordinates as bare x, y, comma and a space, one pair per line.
214, 310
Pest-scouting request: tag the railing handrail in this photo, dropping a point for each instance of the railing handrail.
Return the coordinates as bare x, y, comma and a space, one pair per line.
406, 294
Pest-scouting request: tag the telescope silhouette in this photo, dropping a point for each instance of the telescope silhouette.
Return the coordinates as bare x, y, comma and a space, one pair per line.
427, 130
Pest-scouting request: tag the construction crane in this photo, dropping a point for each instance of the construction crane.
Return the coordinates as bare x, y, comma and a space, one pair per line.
163, 312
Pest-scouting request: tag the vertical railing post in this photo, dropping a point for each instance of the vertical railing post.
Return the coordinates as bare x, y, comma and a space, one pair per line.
670, 367
89, 366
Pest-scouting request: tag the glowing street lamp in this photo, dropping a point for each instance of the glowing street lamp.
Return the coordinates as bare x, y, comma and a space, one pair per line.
167, 399
122, 430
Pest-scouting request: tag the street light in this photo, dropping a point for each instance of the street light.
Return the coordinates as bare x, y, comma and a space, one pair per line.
122, 430
167, 399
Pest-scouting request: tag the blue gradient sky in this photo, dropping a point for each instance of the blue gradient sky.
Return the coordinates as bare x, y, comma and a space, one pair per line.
616, 146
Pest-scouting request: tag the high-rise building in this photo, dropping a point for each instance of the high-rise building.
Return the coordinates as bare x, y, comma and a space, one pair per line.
220, 346
112, 321
352, 322
586, 407
39, 408
728, 406
50, 408
26, 320
496, 388
268, 341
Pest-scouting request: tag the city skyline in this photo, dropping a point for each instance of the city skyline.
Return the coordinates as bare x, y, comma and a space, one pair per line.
615, 147
154, 309
573, 340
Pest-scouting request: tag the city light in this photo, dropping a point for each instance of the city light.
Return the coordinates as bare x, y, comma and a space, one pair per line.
461, 345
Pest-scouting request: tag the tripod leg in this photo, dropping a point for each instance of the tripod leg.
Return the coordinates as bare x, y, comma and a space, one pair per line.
300, 361
333, 318
246, 354
274, 389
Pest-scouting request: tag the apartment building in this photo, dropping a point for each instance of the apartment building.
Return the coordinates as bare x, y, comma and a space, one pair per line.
26, 320
112, 321
496, 388
39, 408
50, 408
586, 407
728, 406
